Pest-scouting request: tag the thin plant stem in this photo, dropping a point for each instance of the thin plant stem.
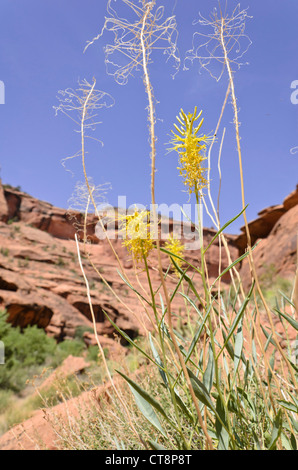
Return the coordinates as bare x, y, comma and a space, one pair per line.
208, 307
99, 344
250, 257
148, 88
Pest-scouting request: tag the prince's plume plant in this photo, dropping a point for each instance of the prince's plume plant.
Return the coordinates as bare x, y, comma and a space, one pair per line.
191, 149
136, 232
219, 385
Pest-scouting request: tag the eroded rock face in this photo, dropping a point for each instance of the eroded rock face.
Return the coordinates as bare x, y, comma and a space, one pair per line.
263, 225
3, 205
41, 282
277, 252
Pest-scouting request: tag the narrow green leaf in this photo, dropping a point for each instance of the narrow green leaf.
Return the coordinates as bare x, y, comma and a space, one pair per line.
276, 431
228, 346
196, 337
271, 368
192, 303
254, 351
146, 403
289, 319
201, 391
158, 360
288, 405
238, 348
269, 337
237, 319
256, 440
224, 227
183, 407
199, 330
128, 339
293, 365
246, 396
187, 278
294, 398
164, 250
287, 299
293, 442
294, 423
248, 373
155, 446
221, 432
286, 442
133, 289
208, 376
232, 265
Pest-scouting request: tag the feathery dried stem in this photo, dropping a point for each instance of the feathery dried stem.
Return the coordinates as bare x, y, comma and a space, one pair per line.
99, 344
225, 45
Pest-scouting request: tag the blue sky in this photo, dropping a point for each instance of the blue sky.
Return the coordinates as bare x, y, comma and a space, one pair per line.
41, 52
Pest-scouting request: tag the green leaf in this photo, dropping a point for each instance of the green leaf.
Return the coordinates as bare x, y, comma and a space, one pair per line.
294, 423
221, 432
238, 348
146, 404
128, 339
155, 446
231, 266
254, 351
201, 391
288, 405
208, 376
158, 360
197, 334
224, 227
180, 258
269, 337
276, 431
192, 303
237, 319
293, 442
293, 365
133, 289
256, 440
228, 346
287, 443
183, 407
289, 319
271, 368
287, 299
187, 278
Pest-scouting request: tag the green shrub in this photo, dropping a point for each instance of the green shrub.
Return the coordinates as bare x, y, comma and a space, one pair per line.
5, 400
71, 347
80, 330
23, 350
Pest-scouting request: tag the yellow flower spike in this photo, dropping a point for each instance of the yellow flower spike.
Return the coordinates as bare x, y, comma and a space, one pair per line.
175, 247
191, 149
136, 230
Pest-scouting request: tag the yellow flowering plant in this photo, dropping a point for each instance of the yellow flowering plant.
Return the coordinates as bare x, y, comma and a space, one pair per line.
136, 231
191, 149
220, 387
176, 248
